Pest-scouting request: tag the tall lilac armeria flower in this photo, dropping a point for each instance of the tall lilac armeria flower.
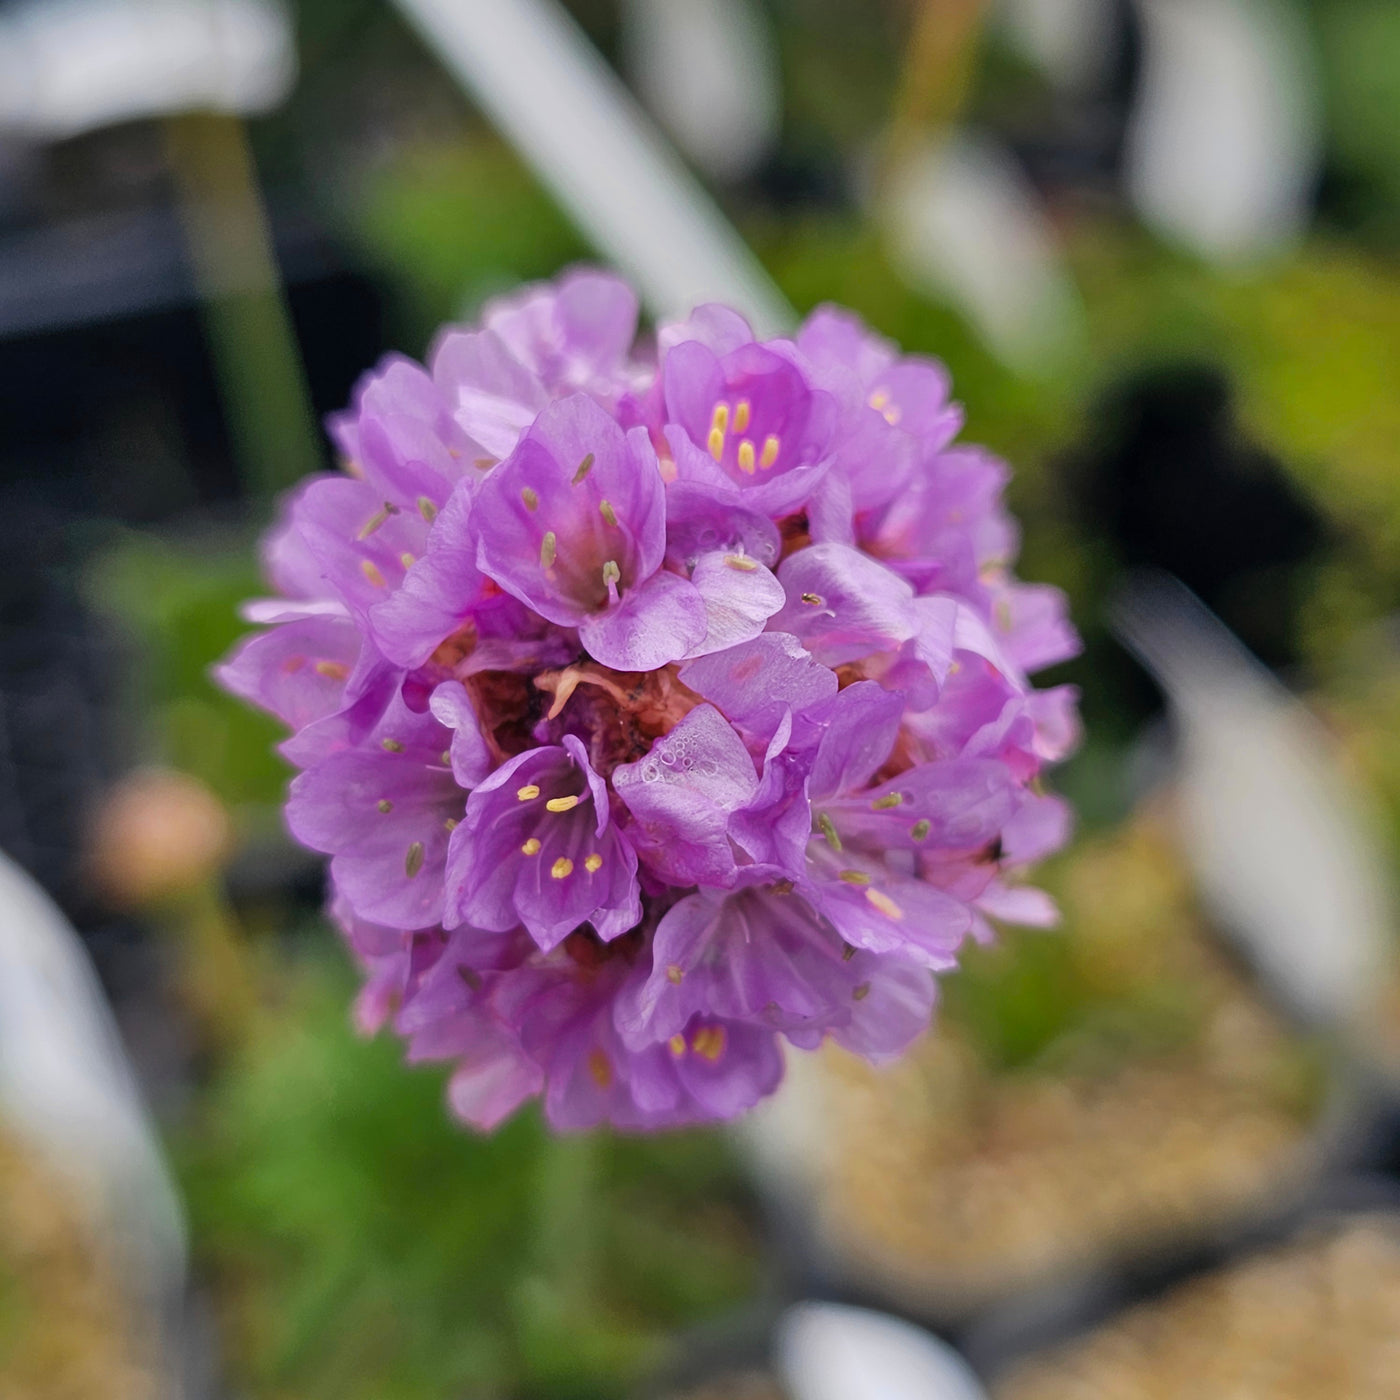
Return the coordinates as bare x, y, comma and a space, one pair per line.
654, 709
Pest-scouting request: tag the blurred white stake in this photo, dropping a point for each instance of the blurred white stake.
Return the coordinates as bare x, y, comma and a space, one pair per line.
966, 227
68, 66
826, 1351
708, 70
538, 78
66, 1088
1225, 140
1278, 842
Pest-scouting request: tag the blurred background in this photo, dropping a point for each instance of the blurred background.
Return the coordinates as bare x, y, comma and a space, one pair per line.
1157, 242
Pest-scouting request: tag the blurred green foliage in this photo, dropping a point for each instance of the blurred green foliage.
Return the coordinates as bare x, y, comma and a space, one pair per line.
1359, 45
366, 1248
178, 598
455, 224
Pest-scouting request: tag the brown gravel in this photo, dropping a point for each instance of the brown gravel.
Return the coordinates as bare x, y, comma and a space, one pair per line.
944, 1181
1316, 1320
64, 1332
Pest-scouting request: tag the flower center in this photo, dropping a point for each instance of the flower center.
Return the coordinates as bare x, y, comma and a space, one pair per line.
617, 714
740, 449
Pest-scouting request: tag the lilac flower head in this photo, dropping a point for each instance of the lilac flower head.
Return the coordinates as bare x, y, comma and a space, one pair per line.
657, 713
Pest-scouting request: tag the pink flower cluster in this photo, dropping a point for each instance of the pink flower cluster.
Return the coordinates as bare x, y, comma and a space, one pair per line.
655, 708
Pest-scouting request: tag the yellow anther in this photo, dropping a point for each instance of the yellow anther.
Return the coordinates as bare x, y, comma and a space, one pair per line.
741, 563
407, 560
548, 550
890, 799
920, 829
427, 509
719, 419
391, 746
528, 793
861, 992
413, 860
611, 573
674, 975
371, 571
879, 399
562, 804
562, 868
893, 415
531, 497
593, 864
677, 1044
716, 444
531, 847
708, 1042
331, 670
828, 829
769, 455
606, 510
584, 467
741, 416
813, 600
855, 877
884, 904
746, 458
385, 805
451, 824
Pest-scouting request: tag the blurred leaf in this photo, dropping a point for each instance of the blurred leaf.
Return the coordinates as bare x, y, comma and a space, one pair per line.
180, 603
366, 1247
455, 223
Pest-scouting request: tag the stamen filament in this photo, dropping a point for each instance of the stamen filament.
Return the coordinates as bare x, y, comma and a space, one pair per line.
884, 904
377, 519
